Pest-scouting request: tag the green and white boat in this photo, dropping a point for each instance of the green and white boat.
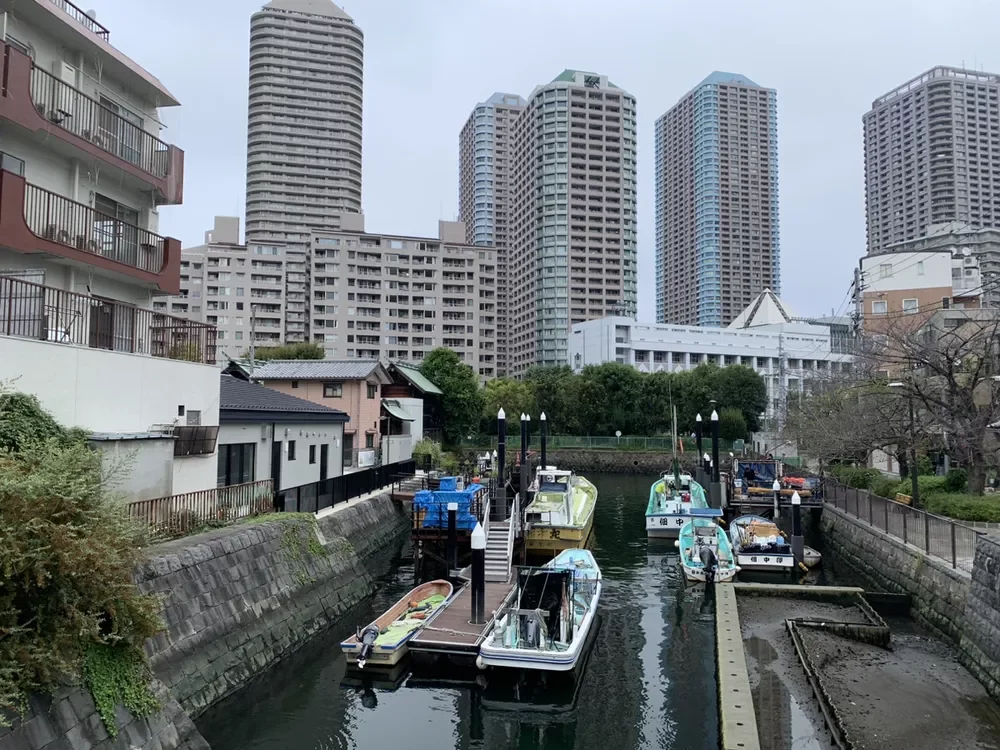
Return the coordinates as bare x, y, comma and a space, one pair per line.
671, 499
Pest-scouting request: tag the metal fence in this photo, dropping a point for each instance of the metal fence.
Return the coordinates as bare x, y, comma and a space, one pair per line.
178, 515
597, 442
941, 537
314, 497
33, 311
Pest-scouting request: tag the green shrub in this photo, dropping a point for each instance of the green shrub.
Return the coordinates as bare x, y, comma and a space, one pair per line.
929, 485
964, 507
885, 487
924, 466
427, 447
732, 424
855, 476
956, 480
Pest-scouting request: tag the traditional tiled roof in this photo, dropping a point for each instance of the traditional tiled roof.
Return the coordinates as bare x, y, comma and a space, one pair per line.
319, 369
243, 401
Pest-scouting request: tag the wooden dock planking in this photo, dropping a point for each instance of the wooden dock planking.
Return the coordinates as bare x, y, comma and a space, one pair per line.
452, 631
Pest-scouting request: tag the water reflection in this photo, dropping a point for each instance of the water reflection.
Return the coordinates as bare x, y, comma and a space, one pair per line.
649, 681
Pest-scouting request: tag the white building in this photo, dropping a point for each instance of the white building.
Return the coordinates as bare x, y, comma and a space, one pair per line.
84, 172
785, 351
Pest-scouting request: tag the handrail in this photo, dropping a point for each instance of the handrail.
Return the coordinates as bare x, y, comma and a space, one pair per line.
80, 16
512, 532
176, 515
486, 512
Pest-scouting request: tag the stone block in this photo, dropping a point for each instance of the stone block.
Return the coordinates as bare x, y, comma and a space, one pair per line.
37, 732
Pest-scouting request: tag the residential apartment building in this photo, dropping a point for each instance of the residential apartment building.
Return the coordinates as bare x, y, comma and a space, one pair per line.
716, 175
785, 351
237, 288
932, 156
84, 173
303, 136
394, 297
572, 238
484, 190
896, 284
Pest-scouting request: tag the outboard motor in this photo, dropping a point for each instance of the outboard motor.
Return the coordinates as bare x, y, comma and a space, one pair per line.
709, 561
366, 638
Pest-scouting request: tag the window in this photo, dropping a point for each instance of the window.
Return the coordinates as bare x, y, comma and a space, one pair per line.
121, 135
236, 464
195, 441
372, 391
180, 410
193, 417
333, 390
12, 163
291, 450
369, 440
885, 270
880, 307
295, 384
920, 268
312, 454
116, 230
911, 305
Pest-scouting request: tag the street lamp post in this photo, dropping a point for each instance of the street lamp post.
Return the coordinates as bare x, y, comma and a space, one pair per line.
914, 483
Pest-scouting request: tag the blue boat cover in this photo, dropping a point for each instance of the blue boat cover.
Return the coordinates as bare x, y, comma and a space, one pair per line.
434, 505
448, 484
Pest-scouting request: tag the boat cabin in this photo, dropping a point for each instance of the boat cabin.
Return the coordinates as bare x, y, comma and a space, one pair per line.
681, 482
553, 492
548, 605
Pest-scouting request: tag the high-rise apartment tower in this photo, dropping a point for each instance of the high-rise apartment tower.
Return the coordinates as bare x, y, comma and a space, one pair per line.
303, 136
571, 250
484, 191
932, 156
716, 201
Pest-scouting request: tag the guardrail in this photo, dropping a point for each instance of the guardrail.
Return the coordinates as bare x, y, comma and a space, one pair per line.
936, 535
600, 442
326, 493
177, 515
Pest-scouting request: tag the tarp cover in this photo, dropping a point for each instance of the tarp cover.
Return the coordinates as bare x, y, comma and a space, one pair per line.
432, 507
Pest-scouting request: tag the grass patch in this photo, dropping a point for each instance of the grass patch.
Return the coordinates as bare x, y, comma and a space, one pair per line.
964, 507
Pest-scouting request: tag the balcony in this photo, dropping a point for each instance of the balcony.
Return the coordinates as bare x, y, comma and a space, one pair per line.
32, 311
45, 105
36, 221
81, 17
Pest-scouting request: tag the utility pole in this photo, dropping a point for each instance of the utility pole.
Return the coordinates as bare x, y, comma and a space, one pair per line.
253, 337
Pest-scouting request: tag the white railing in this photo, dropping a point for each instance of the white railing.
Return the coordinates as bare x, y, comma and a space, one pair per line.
515, 518
486, 515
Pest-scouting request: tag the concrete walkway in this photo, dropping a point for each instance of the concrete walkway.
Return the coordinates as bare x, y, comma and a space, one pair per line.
737, 719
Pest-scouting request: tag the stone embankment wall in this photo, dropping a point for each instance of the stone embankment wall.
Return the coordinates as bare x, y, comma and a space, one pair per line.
962, 608
884, 563
68, 720
237, 599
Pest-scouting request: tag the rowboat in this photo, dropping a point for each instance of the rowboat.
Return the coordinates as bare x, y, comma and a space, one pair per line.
671, 498
705, 551
561, 515
385, 641
545, 627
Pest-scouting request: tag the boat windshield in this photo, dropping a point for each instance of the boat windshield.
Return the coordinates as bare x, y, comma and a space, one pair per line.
550, 483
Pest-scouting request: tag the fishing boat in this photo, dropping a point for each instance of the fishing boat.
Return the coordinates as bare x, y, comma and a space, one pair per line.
385, 641
561, 514
759, 545
671, 498
547, 623
705, 551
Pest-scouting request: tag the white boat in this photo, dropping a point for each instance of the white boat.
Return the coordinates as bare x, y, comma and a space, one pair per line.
811, 557
671, 498
554, 609
705, 551
759, 545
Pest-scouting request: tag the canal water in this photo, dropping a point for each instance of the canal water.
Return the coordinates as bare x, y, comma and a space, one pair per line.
649, 682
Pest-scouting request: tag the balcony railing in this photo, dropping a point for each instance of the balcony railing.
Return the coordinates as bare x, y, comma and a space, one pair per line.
52, 217
78, 15
72, 110
32, 311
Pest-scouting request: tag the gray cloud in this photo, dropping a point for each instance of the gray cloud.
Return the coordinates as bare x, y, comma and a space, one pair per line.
428, 63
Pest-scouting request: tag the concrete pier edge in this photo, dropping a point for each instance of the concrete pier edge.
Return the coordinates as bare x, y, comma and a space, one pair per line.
737, 718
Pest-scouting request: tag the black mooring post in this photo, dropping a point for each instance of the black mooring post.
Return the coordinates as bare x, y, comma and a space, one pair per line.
776, 489
715, 446
452, 553
544, 431
478, 575
798, 543
525, 476
501, 501
697, 433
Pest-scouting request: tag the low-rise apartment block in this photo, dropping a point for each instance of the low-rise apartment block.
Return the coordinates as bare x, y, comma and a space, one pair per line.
377, 296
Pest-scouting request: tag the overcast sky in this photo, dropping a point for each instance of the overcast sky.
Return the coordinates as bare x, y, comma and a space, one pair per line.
428, 62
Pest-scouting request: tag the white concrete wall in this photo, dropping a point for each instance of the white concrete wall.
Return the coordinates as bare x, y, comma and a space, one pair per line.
415, 408
300, 471
396, 448
60, 276
138, 469
905, 271
104, 391
193, 473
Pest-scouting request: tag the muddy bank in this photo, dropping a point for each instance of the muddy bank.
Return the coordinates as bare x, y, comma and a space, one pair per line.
915, 696
787, 713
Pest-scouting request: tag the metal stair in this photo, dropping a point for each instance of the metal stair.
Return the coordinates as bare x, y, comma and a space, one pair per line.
497, 556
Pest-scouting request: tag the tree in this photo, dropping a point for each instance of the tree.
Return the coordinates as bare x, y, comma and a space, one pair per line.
732, 424
740, 387
515, 396
549, 386
462, 400
304, 350
615, 389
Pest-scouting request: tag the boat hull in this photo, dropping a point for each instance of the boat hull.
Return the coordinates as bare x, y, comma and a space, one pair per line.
545, 539
765, 561
665, 525
697, 574
811, 558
